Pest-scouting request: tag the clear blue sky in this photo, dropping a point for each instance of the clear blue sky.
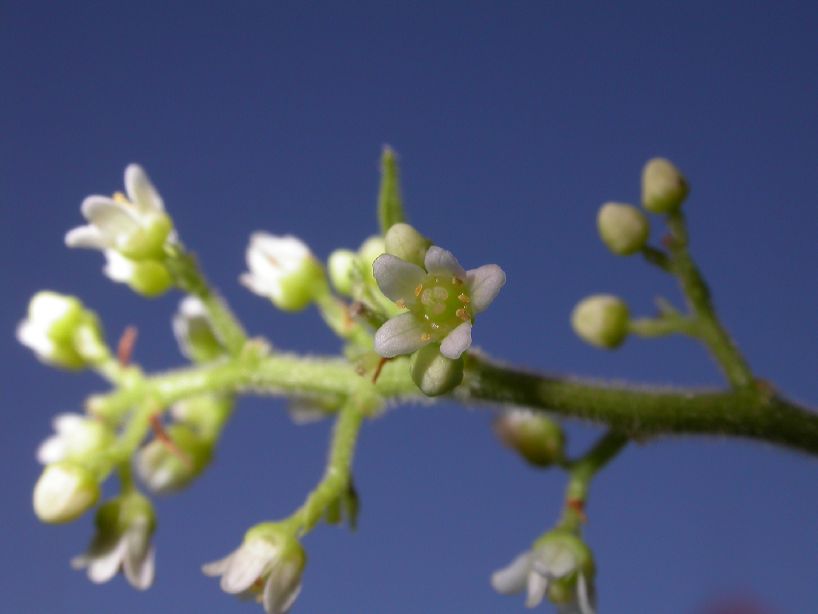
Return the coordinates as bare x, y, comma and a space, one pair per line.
514, 121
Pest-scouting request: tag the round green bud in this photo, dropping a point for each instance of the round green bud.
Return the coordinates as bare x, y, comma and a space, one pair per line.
405, 242
368, 252
64, 492
150, 278
433, 373
537, 438
342, 264
663, 186
148, 242
601, 320
623, 228
164, 470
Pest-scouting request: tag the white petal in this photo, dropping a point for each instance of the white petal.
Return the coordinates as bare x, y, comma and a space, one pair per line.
52, 450
34, 337
141, 191
139, 570
484, 283
512, 578
103, 568
400, 335
585, 596
397, 278
259, 285
457, 341
118, 267
113, 219
537, 585
217, 568
247, 565
85, 236
438, 260
281, 590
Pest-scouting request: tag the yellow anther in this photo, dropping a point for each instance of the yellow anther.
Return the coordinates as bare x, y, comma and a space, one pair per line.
456, 281
401, 303
418, 290
426, 337
464, 298
461, 313
121, 198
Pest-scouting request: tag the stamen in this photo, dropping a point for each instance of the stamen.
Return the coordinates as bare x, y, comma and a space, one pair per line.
426, 337
125, 347
162, 436
120, 198
461, 313
464, 298
418, 290
456, 281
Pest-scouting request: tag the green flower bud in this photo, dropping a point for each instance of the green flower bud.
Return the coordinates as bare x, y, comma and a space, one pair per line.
663, 186
623, 228
284, 270
434, 373
405, 242
537, 438
149, 278
368, 252
205, 414
342, 264
194, 331
601, 320
64, 492
557, 550
164, 470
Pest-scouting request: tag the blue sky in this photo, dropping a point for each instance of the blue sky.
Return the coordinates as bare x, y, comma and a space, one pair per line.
513, 122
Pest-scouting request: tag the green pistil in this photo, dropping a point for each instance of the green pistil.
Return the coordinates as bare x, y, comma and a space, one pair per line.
444, 303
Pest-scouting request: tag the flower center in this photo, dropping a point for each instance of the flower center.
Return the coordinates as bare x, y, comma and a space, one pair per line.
443, 302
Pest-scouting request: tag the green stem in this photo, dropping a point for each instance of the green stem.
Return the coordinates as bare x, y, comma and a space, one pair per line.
337, 316
663, 326
709, 328
337, 475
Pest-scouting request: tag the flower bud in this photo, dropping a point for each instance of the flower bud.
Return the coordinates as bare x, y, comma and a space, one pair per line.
623, 228
163, 469
61, 331
406, 243
77, 438
205, 414
537, 438
64, 492
194, 332
148, 241
342, 264
284, 270
368, 252
601, 320
565, 559
434, 373
663, 186
149, 278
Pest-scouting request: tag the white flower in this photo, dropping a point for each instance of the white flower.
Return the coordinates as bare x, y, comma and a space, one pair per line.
64, 492
560, 566
76, 436
284, 270
135, 225
122, 543
442, 299
267, 566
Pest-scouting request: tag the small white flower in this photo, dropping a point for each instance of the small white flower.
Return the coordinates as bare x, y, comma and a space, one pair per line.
64, 492
51, 330
560, 566
442, 298
282, 269
267, 566
76, 437
122, 543
135, 225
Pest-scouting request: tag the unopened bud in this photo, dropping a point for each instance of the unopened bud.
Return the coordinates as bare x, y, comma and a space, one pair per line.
149, 278
434, 373
601, 320
537, 438
663, 186
623, 228
64, 492
342, 264
405, 242
165, 468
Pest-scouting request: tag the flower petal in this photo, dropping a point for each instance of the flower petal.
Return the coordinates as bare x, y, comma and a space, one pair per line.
585, 596
281, 590
439, 260
104, 567
397, 278
52, 450
402, 334
139, 568
512, 578
113, 219
555, 560
457, 341
118, 267
484, 283
537, 585
247, 565
85, 236
141, 191
217, 568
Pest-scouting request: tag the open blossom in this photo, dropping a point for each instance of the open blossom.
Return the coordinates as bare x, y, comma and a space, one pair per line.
122, 542
267, 566
442, 298
134, 225
559, 566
